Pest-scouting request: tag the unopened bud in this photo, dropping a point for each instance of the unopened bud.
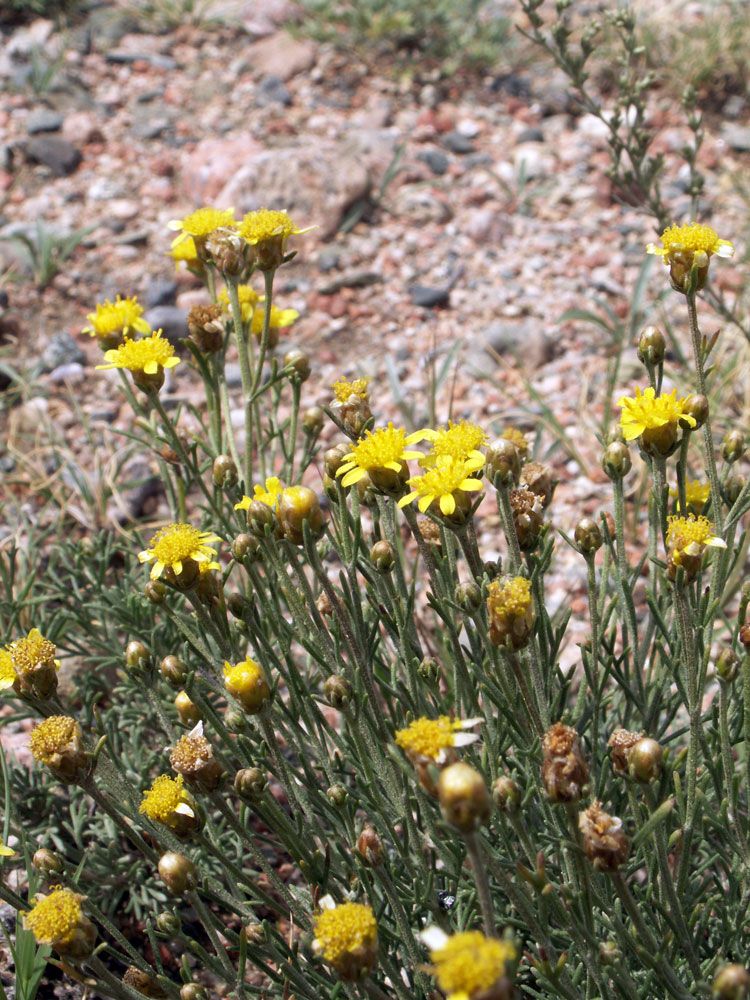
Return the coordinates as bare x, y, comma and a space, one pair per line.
312, 420
237, 604
254, 933
370, 847
250, 784
224, 472
464, 799
468, 597
503, 463
168, 923
297, 364
155, 592
235, 720
142, 982
137, 657
616, 460
645, 760
337, 796
245, 547
193, 991
733, 446
609, 953
588, 536
299, 505
47, 861
506, 794
338, 691
614, 434
178, 873
734, 484
188, 712
695, 406
261, 519
430, 670
334, 458
731, 983
174, 671
651, 346
383, 556
727, 665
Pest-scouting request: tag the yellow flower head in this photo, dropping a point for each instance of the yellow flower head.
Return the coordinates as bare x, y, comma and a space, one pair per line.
201, 223
468, 963
268, 495
385, 448
185, 251
148, 355
458, 441
168, 803
7, 672
344, 390
654, 418
279, 320
247, 683
55, 919
175, 545
511, 611
120, 316
690, 536
6, 852
248, 298
518, 438
347, 937
53, 736
432, 738
693, 237
265, 225
444, 483
28, 654
696, 494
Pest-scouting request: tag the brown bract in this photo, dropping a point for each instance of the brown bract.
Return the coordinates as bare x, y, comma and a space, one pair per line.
565, 773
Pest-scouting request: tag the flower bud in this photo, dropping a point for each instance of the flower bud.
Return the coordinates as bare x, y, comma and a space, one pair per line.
299, 505
174, 671
609, 953
237, 604
696, 406
430, 670
142, 982
193, 991
250, 784
224, 472
312, 420
604, 840
338, 691
168, 923
651, 346
614, 435
370, 847
731, 983
588, 536
137, 658
246, 548
526, 508
383, 556
47, 861
254, 934
503, 463
337, 795
298, 365
734, 484
155, 592
506, 794
745, 636
733, 446
333, 459
538, 478
616, 460
727, 665
235, 720
188, 712
565, 773
645, 760
261, 520
206, 328
464, 799
178, 873
468, 597
247, 683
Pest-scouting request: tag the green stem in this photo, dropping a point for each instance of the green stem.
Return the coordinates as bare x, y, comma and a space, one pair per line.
687, 642
479, 868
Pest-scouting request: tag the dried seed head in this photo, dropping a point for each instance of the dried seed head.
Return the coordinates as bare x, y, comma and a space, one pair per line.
193, 758
178, 873
206, 328
141, 981
565, 773
526, 508
464, 799
620, 743
604, 842
538, 478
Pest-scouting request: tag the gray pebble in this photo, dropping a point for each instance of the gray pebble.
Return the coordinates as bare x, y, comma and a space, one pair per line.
437, 162
160, 292
737, 137
429, 298
530, 135
273, 90
43, 120
60, 351
232, 375
54, 152
71, 372
170, 320
458, 143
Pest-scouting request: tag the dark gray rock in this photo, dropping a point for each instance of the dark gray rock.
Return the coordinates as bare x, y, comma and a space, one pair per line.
170, 320
429, 298
150, 127
7, 463
54, 152
61, 350
530, 135
512, 84
160, 292
273, 90
436, 161
43, 120
329, 258
458, 143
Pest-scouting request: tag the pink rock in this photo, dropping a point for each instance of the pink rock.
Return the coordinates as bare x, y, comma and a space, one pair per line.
159, 188
81, 127
281, 55
194, 297
211, 164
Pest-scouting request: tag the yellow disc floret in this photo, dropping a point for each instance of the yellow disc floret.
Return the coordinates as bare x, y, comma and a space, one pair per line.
7, 671
696, 494
257, 227
31, 652
56, 918
176, 544
344, 390
693, 237
146, 355
161, 801
459, 441
512, 596
120, 316
470, 963
655, 419
347, 938
691, 535
518, 438
248, 299
429, 737
511, 611
385, 448
443, 483
201, 223
53, 736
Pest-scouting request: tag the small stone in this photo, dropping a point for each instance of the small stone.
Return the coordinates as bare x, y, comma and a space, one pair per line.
150, 127
513, 85
737, 137
734, 106
72, 372
458, 143
468, 128
329, 258
530, 135
170, 320
54, 152
104, 189
437, 162
160, 292
232, 375
273, 90
61, 350
429, 298
43, 120
81, 128
281, 55
7, 463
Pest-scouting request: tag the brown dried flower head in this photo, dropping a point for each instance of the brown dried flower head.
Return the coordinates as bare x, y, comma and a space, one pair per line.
538, 478
193, 758
620, 743
206, 327
565, 773
605, 844
527, 516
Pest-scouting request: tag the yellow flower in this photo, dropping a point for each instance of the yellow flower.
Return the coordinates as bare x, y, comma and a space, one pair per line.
7, 672
186, 252
381, 451
467, 964
269, 496
247, 683
267, 232
444, 484
201, 223
280, 319
518, 438
687, 539
696, 494
655, 419
432, 738
248, 300
29, 665
692, 237
459, 441
344, 390
146, 359
180, 548
116, 319
168, 803
511, 611
59, 921
57, 742
6, 852
347, 937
